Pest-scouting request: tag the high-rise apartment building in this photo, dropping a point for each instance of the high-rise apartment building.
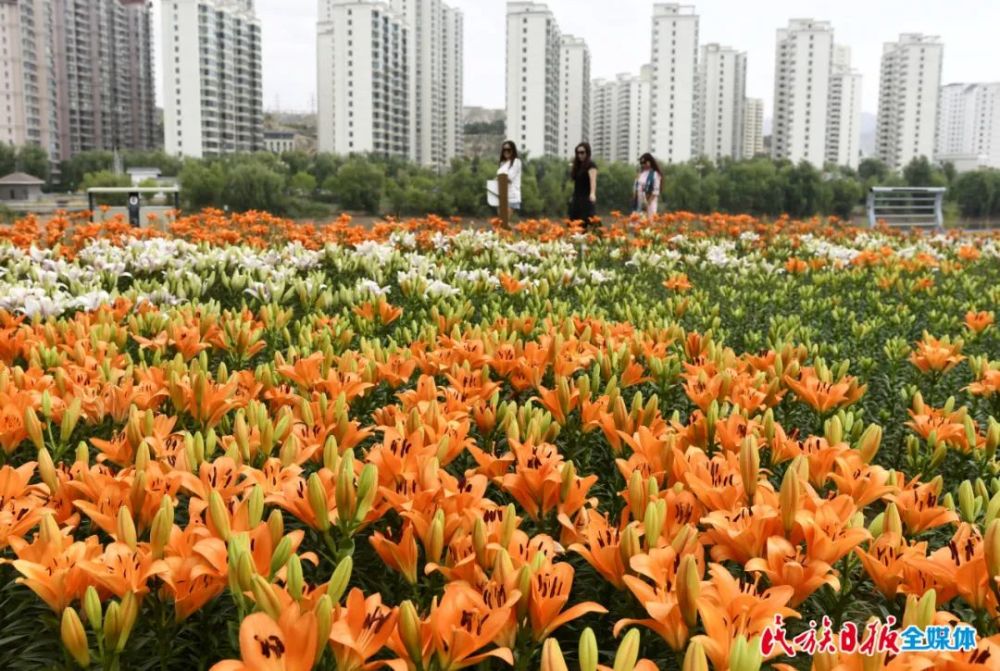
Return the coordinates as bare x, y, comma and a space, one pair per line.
843, 131
908, 99
574, 93
453, 43
801, 91
435, 76
213, 100
363, 52
603, 109
968, 126
76, 75
620, 119
533, 73
722, 76
390, 78
753, 127
674, 82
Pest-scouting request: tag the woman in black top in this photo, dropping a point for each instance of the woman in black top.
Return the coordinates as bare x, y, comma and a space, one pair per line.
584, 175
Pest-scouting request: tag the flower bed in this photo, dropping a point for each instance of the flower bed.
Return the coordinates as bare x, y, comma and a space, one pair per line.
431, 448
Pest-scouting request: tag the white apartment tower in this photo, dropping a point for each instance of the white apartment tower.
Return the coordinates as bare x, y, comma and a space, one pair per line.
603, 108
722, 76
213, 100
753, 127
801, 91
76, 75
674, 82
453, 43
968, 127
908, 99
574, 93
620, 119
533, 73
363, 51
843, 132
435, 78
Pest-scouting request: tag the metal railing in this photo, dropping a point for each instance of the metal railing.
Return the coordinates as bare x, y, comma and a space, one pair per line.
907, 207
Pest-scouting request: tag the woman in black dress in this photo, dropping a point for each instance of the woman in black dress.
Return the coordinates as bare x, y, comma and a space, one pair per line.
584, 175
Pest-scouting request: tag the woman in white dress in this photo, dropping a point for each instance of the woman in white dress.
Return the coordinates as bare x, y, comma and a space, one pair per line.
510, 165
647, 186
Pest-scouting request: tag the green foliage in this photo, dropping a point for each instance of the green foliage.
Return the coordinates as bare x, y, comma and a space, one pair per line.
302, 183
34, 160
202, 184
8, 159
485, 128
920, 172
104, 178
978, 193
357, 185
254, 186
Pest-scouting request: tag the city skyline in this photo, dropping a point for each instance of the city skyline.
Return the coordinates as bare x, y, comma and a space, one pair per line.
289, 60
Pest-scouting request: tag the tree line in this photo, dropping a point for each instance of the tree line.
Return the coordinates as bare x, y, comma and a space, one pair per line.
299, 184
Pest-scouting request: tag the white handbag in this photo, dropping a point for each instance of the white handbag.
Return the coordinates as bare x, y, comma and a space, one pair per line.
492, 193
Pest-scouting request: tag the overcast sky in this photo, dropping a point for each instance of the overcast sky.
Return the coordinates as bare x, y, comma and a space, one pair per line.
618, 33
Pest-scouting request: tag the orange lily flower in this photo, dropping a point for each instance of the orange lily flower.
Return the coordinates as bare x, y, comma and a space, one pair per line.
361, 631
550, 590
286, 645
936, 355
978, 321
462, 624
786, 564
824, 396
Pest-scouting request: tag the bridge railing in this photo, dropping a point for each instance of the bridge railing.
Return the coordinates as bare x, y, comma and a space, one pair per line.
906, 206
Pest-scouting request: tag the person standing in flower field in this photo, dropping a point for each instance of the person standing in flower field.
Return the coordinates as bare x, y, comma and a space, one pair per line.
584, 175
510, 165
646, 194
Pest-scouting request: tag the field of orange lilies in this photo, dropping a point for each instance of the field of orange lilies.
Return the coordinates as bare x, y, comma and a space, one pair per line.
239, 443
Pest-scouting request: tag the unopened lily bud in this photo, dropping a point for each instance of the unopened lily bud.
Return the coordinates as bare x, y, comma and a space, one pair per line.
129, 615
967, 502
992, 437
630, 544
255, 506
276, 526
588, 650
265, 597
163, 524
112, 625
69, 420
568, 474
992, 509
409, 631
653, 522
219, 515
46, 405
509, 525
47, 471
282, 551
142, 456
345, 494
289, 450
245, 572
744, 655
833, 430
479, 542
341, 576
628, 652
316, 495
436, 538
991, 548
293, 577
694, 658
749, 466
125, 528
688, 589
870, 442
926, 608
892, 523
74, 637
33, 427
948, 502
324, 621
788, 499
367, 489
552, 657
637, 497
92, 608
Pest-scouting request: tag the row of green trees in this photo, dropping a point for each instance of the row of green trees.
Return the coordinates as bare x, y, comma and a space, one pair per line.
313, 185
